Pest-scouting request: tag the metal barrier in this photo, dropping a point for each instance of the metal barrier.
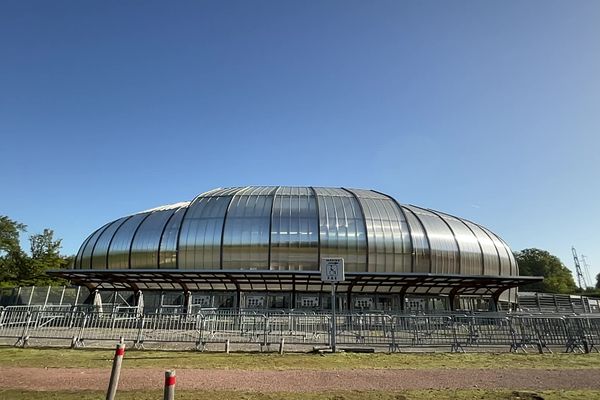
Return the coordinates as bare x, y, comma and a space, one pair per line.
363, 329
14, 323
482, 331
451, 332
299, 328
583, 334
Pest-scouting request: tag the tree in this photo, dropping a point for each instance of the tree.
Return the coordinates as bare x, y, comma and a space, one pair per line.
11, 255
45, 255
9, 235
16, 267
43, 245
536, 262
598, 281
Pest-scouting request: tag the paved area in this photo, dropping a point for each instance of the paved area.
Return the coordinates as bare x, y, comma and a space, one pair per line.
301, 380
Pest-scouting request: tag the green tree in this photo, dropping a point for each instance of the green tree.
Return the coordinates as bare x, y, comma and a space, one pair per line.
598, 281
9, 235
45, 255
536, 262
17, 268
11, 255
44, 246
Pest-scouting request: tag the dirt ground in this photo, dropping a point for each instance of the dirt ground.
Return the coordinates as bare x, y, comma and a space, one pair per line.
57, 379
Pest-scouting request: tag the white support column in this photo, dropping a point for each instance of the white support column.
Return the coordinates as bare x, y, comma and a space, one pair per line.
97, 301
47, 295
140, 303
62, 295
30, 295
77, 295
188, 302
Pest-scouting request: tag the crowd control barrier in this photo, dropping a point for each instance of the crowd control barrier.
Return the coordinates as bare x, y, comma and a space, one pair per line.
31, 326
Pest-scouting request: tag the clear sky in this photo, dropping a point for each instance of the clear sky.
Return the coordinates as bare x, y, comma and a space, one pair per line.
487, 110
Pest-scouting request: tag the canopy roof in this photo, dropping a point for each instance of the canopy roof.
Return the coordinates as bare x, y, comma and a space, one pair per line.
293, 281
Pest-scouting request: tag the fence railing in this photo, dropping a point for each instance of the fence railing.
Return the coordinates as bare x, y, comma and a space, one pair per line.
456, 332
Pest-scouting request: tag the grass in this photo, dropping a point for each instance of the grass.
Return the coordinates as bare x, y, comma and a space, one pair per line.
84, 358
342, 395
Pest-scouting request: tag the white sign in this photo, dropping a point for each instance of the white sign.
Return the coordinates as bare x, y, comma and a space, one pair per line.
332, 270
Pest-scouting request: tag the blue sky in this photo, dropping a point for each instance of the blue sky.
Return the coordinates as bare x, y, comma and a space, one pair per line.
487, 110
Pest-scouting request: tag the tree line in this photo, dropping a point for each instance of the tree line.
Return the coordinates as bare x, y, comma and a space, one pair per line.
18, 268
557, 277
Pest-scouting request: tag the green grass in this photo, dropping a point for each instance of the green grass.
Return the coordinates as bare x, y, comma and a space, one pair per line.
84, 358
347, 395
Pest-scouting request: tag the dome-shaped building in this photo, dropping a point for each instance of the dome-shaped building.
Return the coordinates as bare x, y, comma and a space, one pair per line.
261, 247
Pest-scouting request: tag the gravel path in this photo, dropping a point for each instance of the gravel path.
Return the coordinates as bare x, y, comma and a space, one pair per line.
301, 380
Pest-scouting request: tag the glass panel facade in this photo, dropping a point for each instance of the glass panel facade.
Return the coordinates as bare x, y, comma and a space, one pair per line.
470, 252
84, 255
167, 258
289, 228
144, 249
491, 264
100, 251
200, 240
514, 267
118, 254
505, 255
387, 233
294, 230
444, 251
247, 229
420, 243
342, 228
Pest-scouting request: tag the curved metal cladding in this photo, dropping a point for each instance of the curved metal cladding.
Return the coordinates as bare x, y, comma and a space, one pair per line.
101, 246
201, 233
471, 254
167, 254
118, 251
421, 252
292, 228
514, 267
504, 254
342, 229
146, 242
388, 237
246, 234
83, 258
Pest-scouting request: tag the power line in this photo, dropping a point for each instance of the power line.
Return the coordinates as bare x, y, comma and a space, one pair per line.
586, 270
580, 278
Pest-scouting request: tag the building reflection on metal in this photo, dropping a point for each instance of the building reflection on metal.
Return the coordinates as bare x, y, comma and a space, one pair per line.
290, 229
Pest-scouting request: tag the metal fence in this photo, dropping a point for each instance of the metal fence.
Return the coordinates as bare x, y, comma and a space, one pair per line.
31, 325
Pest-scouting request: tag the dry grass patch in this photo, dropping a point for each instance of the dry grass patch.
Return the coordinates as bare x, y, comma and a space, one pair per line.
84, 358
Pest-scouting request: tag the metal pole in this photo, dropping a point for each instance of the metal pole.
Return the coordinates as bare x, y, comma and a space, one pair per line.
116, 372
47, 296
77, 295
169, 393
333, 322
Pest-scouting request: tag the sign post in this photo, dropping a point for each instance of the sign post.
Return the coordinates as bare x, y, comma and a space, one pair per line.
332, 271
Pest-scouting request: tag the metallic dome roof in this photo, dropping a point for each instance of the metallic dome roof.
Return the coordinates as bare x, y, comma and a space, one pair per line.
292, 228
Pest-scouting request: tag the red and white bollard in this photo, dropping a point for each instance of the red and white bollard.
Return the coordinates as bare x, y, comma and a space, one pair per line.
169, 385
116, 372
